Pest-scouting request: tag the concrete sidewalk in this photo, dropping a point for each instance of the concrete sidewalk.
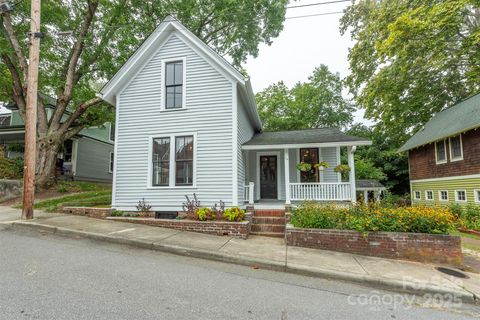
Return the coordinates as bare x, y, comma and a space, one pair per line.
262, 252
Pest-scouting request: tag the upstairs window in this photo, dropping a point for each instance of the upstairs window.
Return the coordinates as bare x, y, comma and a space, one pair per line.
174, 85
456, 150
440, 152
112, 132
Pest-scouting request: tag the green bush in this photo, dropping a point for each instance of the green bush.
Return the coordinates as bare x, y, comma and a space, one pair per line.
374, 218
204, 214
468, 217
234, 214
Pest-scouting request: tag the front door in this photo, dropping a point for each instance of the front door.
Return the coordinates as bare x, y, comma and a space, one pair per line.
268, 177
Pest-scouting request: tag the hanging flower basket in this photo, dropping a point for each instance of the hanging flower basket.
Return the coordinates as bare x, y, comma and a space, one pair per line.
342, 168
304, 167
321, 165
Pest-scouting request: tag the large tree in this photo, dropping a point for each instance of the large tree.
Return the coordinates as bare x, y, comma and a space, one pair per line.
412, 58
312, 104
104, 34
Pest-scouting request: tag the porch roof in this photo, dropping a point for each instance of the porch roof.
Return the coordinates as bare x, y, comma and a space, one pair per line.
321, 137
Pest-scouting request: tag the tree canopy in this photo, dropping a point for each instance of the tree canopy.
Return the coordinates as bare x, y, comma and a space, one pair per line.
411, 59
312, 104
104, 33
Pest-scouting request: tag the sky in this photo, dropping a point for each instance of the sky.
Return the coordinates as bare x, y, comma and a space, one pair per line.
303, 45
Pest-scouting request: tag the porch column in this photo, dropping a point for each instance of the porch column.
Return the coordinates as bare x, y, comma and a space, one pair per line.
365, 196
351, 164
287, 176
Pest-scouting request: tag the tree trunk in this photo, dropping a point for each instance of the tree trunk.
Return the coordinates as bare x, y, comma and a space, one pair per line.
46, 162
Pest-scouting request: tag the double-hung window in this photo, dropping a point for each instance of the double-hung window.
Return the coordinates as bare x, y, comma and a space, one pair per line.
440, 152
172, 161
184, 161
161, 161
456, 150
174, 85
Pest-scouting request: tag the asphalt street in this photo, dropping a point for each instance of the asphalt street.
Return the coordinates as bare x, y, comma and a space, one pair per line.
43, 276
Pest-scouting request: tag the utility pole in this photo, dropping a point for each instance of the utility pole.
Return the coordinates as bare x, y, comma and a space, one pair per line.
31, 113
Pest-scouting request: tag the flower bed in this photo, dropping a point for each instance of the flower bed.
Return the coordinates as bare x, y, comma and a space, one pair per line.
374, 218
413, 233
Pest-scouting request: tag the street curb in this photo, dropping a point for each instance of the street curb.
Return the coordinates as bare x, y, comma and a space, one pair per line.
386, 284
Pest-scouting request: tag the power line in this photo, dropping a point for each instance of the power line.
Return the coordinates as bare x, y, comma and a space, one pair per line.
315, 15
316, 4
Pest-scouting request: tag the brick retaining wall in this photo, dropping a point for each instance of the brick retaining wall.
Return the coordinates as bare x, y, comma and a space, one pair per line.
410, 246
219, 228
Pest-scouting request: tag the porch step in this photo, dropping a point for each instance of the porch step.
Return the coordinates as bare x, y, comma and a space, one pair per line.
269, 234
268, 228
269, 213
269, 220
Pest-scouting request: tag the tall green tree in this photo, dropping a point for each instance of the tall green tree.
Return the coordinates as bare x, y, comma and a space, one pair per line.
411, 59
312, 104
104, 34
380, 161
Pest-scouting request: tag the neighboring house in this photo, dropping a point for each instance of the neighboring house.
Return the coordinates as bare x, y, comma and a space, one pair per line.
87, 156
187, 123
444, 157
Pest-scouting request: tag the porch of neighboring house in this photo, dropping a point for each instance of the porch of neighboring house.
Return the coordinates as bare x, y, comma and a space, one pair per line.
273, 181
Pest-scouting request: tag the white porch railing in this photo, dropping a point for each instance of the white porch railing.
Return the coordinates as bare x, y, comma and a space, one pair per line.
248, 193
322, 191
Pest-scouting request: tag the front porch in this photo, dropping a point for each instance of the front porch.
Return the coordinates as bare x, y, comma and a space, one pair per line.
272, 178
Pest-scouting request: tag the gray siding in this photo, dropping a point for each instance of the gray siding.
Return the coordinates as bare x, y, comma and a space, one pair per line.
330, 156
93, 160
208, 114
245, 133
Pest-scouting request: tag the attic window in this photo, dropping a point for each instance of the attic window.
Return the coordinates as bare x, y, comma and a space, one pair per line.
456, 150
174, 85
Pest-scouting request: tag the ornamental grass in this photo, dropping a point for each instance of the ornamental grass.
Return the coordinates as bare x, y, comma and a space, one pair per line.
373, 218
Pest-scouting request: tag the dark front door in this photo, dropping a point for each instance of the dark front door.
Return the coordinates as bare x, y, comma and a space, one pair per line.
268, 177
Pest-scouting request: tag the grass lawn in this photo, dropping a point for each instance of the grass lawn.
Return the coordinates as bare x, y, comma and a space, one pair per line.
77, 194
469, 241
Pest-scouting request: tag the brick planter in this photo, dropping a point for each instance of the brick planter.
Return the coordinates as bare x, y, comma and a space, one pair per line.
410, 246
239, 230
99, 213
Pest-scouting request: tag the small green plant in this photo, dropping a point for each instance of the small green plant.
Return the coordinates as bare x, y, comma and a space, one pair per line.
62, 188
234, 214
304, 167
117, 213
143, 206
342, 168
321, 165
204, 214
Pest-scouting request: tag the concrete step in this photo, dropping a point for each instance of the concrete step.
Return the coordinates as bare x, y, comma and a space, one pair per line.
268, 234
269, 220
268, 228
269, 213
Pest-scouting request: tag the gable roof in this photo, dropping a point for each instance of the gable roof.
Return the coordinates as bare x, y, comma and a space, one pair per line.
163, 31
294, 138
456, 119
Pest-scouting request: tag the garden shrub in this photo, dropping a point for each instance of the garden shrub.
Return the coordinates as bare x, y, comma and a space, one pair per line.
364, 218
468, 217
204, 214
234, 214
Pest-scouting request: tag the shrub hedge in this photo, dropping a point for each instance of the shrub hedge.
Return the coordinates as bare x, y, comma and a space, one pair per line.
364, 218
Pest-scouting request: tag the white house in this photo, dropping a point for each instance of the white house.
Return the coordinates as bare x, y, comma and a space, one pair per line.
187, 123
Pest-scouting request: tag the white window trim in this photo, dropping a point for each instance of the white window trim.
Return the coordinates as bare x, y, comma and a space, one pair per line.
433, 195
184, 89
452, 159
456, 196
111, 162
171, 178
476, 195
440, 196
415, 195
436, 153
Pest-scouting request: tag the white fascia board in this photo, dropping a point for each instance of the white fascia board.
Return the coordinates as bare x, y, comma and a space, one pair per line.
306, 145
